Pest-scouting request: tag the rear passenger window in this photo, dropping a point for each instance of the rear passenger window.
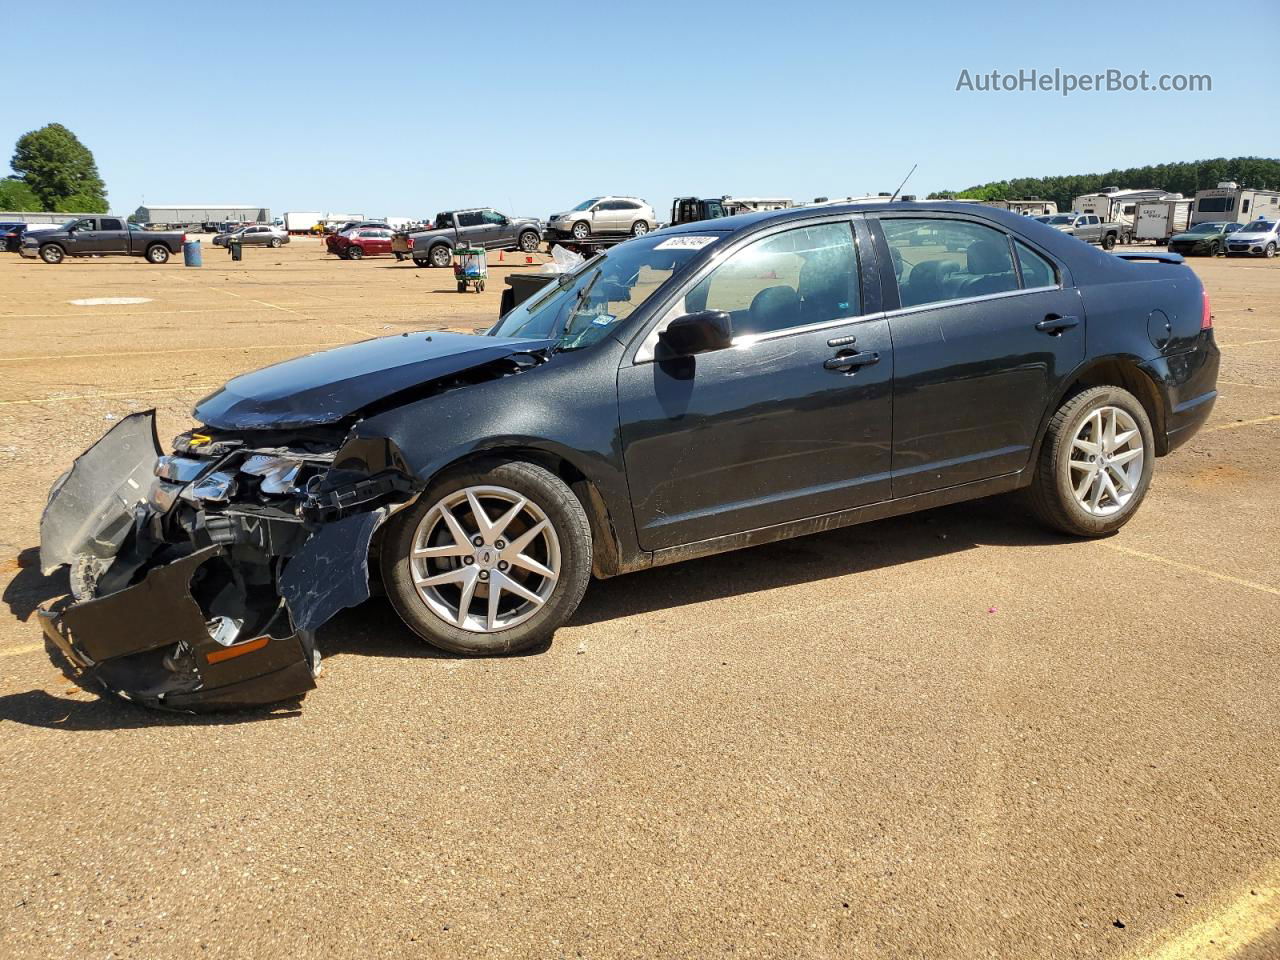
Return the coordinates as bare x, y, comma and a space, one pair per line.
1036, 270
471, 219
790, 279
938, 260
109, 223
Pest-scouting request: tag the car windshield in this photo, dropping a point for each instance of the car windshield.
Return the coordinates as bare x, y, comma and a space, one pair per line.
1206, 228
582, 307
585, 204
1062, 218
1260, 226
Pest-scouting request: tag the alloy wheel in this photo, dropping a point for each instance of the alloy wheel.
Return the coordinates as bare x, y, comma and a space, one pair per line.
1105, 463
639, 228
581, 231
485, 558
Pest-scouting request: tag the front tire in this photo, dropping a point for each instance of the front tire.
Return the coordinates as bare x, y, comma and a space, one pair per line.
158, 253
581, 230
354, 253
528, 241
1269, 251
52, 253
1109, 242
1095, 463
492, 559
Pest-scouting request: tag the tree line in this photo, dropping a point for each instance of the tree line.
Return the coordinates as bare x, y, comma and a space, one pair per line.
53, 171
1185, 178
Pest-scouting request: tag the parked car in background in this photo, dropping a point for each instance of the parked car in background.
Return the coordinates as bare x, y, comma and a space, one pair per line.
482, 227
257, 234
1258, 239
603, 217
714, 386
6, 227
1204, 239
364, 242
331, 244
100, 237
11, 236
1091, 228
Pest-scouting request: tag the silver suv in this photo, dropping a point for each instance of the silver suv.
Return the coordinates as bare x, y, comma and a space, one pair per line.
604, 216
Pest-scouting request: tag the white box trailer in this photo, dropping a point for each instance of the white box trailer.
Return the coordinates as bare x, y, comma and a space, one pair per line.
1159, 220
1236, 204
302, 221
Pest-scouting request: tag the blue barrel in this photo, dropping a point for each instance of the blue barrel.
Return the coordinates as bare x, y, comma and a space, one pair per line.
191, 254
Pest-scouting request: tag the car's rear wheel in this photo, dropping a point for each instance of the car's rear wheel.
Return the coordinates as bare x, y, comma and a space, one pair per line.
528, 241
639, 228
420, 262
158, 253
440, 256
1095, 463
581, 230
492, 559
52, 253
354, 252
274, 242
1215, 248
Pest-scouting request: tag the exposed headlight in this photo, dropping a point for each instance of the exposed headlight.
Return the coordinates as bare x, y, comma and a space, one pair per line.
277, 473
216, 487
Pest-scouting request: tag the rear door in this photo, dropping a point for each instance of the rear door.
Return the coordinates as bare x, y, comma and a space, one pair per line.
378, 242
985, 329
111, 237
793, 421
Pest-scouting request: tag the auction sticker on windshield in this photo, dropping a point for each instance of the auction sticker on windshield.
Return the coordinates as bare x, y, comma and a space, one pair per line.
685, 243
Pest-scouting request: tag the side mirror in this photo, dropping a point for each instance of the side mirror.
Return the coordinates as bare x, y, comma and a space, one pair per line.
697, 333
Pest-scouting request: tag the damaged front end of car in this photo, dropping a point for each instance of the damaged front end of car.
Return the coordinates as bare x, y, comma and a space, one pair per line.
200, 577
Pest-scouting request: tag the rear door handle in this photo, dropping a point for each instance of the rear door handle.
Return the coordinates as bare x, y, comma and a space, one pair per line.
849, 361
1053, 324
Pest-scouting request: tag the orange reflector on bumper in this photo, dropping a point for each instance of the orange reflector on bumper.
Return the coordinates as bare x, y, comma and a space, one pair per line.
257, 643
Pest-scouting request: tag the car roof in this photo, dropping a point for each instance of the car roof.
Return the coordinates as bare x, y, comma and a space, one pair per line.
741, 220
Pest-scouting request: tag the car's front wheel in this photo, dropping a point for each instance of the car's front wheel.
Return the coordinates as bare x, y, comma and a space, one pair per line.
52, 253
1270, 250
1109, 242
492, 559
528, 241
581, 230
354, 252
1095, 463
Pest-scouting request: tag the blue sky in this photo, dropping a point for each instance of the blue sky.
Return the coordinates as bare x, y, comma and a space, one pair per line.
402, 109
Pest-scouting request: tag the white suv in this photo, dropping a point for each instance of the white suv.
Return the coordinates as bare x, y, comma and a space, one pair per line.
602, 217
1260, 239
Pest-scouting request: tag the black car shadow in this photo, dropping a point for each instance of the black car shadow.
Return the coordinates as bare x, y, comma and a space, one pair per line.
30, 588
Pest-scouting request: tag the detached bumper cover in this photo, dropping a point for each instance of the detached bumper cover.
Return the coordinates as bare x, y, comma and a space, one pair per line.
223, 618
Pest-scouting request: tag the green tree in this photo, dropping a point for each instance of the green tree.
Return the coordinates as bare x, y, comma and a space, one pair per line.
16, 195
58, 167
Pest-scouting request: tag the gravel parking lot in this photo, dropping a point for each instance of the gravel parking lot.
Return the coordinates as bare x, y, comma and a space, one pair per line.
950, 735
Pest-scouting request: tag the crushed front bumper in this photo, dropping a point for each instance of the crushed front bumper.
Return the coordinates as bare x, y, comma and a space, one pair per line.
215, 613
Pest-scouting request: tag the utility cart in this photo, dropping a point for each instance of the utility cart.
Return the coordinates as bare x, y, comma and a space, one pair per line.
470, 268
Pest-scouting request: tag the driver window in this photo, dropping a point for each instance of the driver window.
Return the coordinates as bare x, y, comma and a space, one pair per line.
492, 216
86, 224
800, 277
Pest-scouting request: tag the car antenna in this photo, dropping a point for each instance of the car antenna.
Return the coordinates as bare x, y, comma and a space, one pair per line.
904, 182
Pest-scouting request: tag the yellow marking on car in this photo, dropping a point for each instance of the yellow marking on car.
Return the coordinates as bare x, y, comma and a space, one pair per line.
1203, 571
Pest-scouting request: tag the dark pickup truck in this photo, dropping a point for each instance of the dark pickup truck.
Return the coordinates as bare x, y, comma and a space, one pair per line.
480, 227
100, 236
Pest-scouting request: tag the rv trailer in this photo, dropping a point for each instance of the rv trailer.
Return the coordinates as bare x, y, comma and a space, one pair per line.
1236, 204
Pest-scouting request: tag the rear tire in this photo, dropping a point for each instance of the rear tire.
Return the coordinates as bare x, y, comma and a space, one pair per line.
1068, 492
639, 228
563, 551
440, 255
354, 253
274, 243
158, 253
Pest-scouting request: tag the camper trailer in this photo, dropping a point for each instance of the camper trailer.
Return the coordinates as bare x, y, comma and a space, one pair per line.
1236, 204
1028, 207
1159, 220
1119, 206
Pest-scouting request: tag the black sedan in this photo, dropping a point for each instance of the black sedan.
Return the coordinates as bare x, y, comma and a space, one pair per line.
706, 387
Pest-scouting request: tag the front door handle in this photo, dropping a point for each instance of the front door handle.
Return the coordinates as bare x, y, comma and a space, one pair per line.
1054, 324
848, 361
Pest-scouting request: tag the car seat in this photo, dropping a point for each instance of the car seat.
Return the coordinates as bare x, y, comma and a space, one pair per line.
773, 308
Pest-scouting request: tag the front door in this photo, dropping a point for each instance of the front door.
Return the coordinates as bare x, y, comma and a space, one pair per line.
984, 336
82, 237
792, 421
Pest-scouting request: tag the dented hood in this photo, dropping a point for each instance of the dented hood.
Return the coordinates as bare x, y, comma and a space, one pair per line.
325, 387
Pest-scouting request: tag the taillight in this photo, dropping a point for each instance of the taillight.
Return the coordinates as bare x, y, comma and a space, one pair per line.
1206, 315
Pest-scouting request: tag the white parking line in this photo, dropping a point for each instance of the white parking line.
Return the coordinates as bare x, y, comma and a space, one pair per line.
1241, 423
1248, 343
1203, 571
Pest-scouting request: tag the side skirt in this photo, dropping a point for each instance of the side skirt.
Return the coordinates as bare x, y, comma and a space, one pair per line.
833, 521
